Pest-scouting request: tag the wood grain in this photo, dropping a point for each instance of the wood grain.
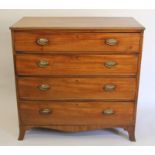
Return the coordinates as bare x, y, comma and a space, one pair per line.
76, 88
69, 42
76, 113
76, 64
77, 75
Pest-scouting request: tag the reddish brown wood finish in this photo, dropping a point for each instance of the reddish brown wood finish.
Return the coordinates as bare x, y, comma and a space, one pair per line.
69, 42
76, 64
77, 113
76, 88
97, 24
76, 73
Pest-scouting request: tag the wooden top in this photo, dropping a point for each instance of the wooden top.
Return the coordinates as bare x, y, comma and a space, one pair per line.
79, 23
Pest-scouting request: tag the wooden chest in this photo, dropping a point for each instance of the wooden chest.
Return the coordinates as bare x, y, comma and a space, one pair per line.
77, 74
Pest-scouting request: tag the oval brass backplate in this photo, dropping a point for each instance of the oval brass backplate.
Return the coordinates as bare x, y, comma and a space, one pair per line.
44, 87
111, 42
108, 112
42, 41
109, 87
43, 63
110, 64
45, 111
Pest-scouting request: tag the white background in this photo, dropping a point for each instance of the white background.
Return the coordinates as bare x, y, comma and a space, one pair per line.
8, 112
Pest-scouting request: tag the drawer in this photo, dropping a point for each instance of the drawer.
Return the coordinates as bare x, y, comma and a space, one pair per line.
76, 113
76, 64
31, 88
46, 41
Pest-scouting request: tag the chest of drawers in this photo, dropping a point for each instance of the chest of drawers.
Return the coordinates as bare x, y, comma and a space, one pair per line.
77, 74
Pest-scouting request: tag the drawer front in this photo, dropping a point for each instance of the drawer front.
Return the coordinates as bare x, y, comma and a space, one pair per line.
76, 113
46, 64
30, 88
42, 41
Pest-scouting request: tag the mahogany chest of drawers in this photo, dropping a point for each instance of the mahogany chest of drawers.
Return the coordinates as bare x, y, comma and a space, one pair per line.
77, 74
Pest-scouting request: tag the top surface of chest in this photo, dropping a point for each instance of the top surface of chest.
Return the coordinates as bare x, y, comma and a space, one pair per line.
80, 23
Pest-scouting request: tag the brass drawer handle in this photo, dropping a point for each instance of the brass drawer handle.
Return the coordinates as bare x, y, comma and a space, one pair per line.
108, 112
44, 87
110, 64
109, 87
42, 41
43, 63
45, 111
111, 42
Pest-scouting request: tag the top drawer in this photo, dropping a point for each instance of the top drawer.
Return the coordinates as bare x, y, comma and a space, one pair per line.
48, 41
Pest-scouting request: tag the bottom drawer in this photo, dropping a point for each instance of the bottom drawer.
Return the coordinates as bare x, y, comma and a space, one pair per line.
76, 113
